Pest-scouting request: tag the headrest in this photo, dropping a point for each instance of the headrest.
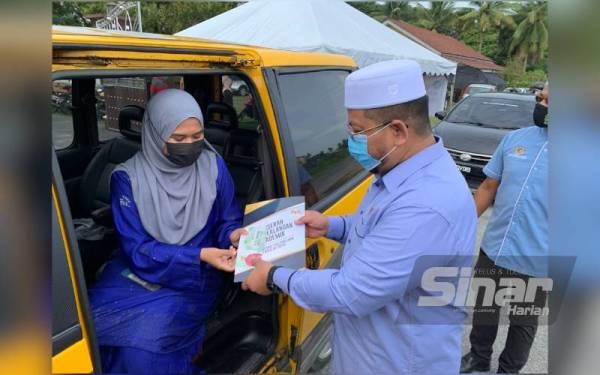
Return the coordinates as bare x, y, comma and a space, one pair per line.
128, 114
228, 120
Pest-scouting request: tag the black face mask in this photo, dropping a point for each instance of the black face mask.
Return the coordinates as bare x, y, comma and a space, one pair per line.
540, 115
184, 154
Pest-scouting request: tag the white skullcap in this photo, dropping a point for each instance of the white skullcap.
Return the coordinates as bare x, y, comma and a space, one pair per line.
384, 84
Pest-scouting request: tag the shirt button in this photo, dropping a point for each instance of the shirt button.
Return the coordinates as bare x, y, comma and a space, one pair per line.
349, 241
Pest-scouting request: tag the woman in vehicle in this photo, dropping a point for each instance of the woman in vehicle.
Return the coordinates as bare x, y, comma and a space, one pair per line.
175, 211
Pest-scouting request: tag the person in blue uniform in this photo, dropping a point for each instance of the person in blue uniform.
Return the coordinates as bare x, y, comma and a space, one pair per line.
515, 243
177, 218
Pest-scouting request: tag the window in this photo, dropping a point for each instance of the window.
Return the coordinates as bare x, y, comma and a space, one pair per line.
493, 112
314, 107
62, 117
112, 94
236, 93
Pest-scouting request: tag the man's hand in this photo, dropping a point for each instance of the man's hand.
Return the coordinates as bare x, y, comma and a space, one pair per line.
234, 237
257, 280
316, 223
221, 259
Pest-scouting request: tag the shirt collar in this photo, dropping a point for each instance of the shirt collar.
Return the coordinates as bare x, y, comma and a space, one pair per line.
397, 175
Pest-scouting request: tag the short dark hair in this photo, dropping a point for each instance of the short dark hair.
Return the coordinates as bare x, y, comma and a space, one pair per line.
414, 113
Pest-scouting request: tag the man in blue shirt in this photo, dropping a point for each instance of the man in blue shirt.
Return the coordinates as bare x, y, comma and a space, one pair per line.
418, 208
515, 244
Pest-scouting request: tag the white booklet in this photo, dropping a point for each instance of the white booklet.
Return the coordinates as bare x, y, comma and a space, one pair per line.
272, 235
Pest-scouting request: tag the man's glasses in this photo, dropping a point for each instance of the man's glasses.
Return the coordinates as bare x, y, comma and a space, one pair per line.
353, 134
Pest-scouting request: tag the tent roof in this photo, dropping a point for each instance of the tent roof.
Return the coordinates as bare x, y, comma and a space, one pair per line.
317, 25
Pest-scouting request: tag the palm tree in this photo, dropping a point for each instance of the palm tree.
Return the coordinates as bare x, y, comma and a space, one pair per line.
487, 15
530, 41
440, 17
395, 9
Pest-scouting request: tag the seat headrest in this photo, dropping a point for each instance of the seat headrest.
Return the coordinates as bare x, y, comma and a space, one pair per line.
128, 114
229, 119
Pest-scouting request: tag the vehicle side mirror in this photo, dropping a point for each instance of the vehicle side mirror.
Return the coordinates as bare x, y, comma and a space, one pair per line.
441, 114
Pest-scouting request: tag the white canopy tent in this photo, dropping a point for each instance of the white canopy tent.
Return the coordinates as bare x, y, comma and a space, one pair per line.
330, 26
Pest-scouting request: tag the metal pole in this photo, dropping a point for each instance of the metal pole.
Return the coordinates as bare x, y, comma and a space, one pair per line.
139, 16
452, 90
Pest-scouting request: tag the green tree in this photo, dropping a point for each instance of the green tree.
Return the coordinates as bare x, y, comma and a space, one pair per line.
439, 17
401, 10
163, 17
171, 17
372, 9
486, 17
68, 13
530, 40
515, 77
491, 44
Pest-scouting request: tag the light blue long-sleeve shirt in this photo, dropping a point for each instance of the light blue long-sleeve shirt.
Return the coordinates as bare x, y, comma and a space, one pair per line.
422, 207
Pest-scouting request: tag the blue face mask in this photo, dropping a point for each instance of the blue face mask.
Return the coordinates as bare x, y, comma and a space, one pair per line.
358, 146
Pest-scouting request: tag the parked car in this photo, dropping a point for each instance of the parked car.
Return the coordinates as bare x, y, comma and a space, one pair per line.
475, 126
293, 145
239, 87
517, 90
476, 88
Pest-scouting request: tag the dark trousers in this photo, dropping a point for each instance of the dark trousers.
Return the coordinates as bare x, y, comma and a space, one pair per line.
522, 328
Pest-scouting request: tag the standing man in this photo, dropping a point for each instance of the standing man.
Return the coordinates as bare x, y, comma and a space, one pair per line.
418, 205
515, 244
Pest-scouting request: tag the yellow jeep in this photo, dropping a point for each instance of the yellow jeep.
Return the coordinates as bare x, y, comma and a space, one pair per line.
278, 120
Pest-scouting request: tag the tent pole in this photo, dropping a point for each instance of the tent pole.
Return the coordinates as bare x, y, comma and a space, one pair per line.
451, 104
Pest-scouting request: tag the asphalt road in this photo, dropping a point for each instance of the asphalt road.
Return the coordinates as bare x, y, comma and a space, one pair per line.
62, 131
538, 357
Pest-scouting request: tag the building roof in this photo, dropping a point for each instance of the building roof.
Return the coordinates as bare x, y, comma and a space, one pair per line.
445, 45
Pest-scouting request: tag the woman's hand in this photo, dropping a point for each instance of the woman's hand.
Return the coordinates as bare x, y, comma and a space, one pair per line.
221, 259
234, 237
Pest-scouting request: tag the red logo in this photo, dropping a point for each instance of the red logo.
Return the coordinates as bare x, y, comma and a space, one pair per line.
251, 258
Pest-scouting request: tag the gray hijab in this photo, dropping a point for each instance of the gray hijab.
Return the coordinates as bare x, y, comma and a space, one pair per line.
173, 202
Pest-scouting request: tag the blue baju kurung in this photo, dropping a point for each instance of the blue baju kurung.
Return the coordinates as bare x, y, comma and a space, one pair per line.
156, 324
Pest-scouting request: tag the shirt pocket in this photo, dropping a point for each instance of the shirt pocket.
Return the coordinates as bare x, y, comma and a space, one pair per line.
365, 223
516, 166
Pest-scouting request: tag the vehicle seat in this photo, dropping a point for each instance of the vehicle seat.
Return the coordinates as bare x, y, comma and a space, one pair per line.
95, 183
95, 193
218, 128
241, 157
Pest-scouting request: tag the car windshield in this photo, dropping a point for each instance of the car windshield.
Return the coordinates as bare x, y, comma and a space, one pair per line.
493, 112
478, 89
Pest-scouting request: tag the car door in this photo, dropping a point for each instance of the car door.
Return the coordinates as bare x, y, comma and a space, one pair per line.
74, 348
311, 118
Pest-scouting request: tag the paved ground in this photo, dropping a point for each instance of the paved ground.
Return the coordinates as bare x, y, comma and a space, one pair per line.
538, 357
62, 130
